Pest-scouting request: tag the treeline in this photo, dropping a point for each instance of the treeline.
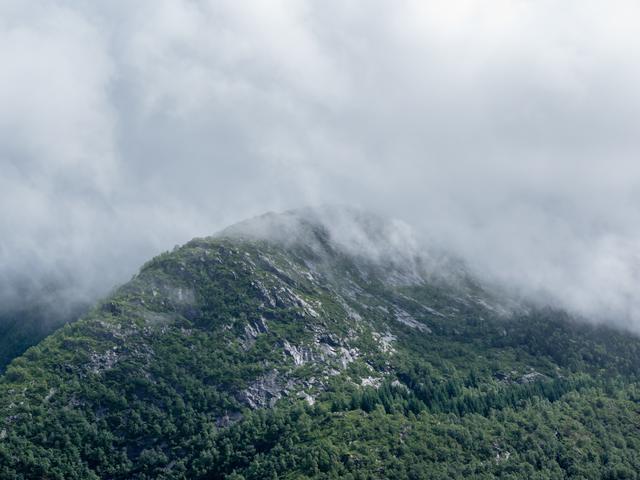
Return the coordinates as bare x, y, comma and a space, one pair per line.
419, 393
369, 436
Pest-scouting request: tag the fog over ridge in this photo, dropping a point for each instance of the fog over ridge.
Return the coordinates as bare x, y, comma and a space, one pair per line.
508, 134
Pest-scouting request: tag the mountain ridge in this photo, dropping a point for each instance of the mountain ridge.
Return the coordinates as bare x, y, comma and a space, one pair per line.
216, 356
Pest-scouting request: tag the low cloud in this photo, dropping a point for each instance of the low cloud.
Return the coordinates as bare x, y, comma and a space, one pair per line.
508, 134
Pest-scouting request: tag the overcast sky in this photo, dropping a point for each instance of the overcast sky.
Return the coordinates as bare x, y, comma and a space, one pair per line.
507, 130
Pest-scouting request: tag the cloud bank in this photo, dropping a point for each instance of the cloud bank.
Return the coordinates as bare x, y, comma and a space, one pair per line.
507, 132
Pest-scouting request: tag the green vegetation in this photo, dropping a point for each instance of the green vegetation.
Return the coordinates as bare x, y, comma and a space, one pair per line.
241, 359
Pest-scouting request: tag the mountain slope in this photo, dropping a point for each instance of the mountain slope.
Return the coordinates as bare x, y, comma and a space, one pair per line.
319, 344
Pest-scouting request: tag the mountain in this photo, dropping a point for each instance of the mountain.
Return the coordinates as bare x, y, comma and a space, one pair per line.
320, 343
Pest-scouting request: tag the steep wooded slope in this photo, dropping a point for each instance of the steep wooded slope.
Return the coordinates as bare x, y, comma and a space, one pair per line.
277, 349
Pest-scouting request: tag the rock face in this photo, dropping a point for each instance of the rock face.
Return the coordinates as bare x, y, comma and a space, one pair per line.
265, 391
174, 375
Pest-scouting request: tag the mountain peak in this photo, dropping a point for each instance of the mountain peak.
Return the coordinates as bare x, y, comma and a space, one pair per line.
370, 240
352, 230
312, 344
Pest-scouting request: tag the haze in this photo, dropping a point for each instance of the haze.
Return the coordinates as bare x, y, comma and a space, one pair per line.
507, 132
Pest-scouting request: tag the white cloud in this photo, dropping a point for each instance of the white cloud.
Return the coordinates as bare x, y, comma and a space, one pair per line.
507, 131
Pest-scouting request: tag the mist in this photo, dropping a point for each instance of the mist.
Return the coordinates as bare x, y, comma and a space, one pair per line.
507, 133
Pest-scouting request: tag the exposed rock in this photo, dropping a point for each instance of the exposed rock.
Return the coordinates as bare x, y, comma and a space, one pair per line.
305, 396
327, 338
398, 384
252, 330
512, 377
346, 356
385, 340
99, 362
264, 391
374, 382
531, 377
405, 318
264, 293
50, 394
351, 313
228, 419
300, 355
502, 456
